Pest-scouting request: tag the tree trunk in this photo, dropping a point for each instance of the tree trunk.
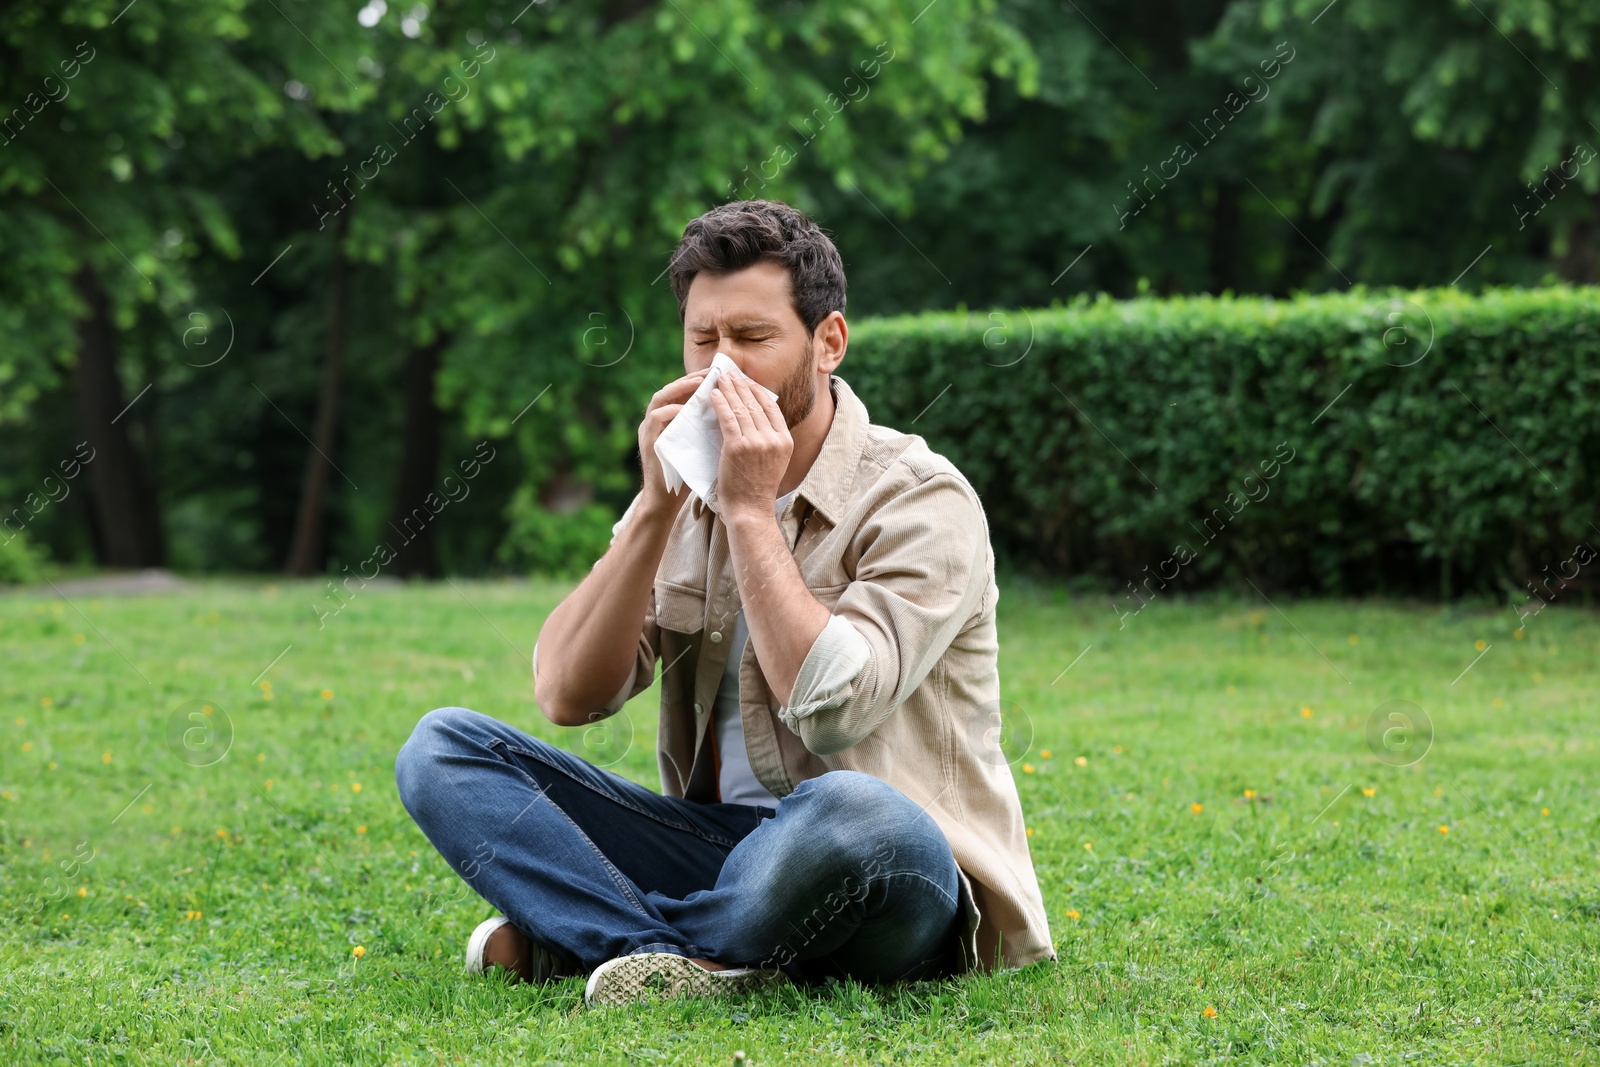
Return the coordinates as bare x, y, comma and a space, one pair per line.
1580, 263
1225, 238
125, 515
306, 554
416, 547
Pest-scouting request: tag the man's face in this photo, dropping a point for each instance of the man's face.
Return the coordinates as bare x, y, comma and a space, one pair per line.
749, 316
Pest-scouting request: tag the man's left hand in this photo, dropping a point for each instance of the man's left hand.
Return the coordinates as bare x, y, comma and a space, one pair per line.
756, 445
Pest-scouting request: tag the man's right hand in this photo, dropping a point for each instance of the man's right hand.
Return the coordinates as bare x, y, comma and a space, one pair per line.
663, 408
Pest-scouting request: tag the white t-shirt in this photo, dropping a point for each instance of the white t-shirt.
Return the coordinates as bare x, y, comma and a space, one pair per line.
737, 782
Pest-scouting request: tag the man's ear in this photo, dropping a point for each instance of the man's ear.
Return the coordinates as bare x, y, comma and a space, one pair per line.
831, 338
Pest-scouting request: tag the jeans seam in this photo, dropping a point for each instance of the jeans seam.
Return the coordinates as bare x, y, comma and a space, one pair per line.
956, 900
715, 839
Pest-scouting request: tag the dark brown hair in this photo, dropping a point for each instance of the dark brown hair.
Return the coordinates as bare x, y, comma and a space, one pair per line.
732, 236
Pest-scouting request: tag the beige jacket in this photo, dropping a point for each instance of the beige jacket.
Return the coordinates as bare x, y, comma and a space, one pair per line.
903, 682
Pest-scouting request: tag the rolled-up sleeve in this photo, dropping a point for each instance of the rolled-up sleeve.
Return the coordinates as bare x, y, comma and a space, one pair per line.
923, 569
643, 672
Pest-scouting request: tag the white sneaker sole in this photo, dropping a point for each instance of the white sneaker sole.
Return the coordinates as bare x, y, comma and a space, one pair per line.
651, 976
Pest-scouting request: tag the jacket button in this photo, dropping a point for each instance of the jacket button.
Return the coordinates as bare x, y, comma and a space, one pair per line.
716, 635
699, 709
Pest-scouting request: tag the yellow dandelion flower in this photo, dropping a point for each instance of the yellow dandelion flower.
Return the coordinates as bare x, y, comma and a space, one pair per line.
105, 757
1088, 846
65, 916
1355, 639
1044, 753
1306, 712
261, 757
1444, 829
1027, 768
83, 891
327, 694
1210, 1012
1544, 811
1480, 644
1082, 761
1074, 913
269, 783
27, 746
358, 951
1368, 792
355, 787
1517, 634
1249, 794
1030, 831
221, 832
361, 829
1116, 748
1197, 807
6, 795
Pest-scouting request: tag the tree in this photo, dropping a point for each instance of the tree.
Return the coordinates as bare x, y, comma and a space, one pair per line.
126, 117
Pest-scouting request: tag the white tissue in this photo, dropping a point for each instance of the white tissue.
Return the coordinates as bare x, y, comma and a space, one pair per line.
690, 448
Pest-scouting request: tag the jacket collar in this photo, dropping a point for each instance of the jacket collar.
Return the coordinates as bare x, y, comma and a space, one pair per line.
826, 486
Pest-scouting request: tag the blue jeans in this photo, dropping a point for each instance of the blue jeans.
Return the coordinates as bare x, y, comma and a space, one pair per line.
846, 878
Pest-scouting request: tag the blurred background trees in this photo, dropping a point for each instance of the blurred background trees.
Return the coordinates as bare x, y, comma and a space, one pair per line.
284, 266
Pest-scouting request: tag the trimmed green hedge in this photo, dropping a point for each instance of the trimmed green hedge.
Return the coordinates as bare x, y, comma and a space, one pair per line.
1461, 450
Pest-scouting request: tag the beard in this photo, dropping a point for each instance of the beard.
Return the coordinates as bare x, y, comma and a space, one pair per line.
797, 394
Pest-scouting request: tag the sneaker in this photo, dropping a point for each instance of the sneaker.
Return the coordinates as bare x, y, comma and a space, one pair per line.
648, 976
497, 943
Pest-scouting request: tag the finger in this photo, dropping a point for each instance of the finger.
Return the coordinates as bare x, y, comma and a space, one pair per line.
678, 387
727, 421
752, 392
738, 400
764, 407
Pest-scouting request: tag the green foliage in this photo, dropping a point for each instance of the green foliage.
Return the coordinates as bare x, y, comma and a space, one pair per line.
982, 148
19, 564
541, 541
1421, 427
1403, 139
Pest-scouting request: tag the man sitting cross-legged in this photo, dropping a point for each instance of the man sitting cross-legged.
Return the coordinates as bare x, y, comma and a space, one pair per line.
833, 800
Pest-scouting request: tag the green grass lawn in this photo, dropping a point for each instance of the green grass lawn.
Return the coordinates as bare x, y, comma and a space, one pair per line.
1231, 872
